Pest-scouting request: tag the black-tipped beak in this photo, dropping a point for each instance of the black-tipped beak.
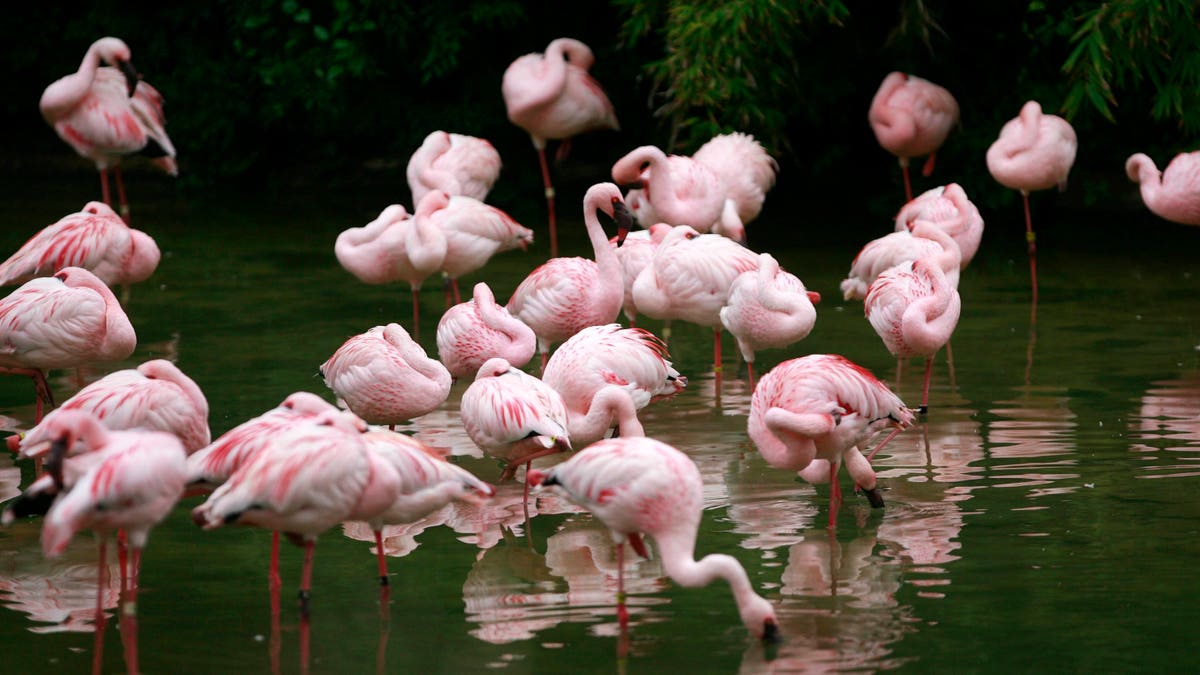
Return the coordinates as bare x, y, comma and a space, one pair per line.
635, 185
771, 633
624, 218
131, 76
54, 460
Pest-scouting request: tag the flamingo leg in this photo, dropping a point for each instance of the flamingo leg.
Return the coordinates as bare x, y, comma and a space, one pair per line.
1031, 238
750, 374
274, 582
622, 611
306, 579
927, 170
549, 200
950, 364
925, 390
104, 193
41, 389
101, 584
717, 360
882, 443
457, 295
123, 559
124, 208
835, 495
907, 180
383, 571
129, 626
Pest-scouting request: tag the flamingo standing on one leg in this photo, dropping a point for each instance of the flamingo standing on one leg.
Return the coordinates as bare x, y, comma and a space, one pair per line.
641, 486
474, 233
1173, 194
552, 97
914, 309
689, 279
768, 308
395, 247
385, 377
472, 332
815, 412
632, 362
95, 239
513, 416
911, 117
455, 164
949, 208
895, 248
156, 396
64, 321
105, 113
565, 295
1034, 152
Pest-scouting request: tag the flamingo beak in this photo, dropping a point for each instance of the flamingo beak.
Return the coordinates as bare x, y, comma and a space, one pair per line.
771, 632
131, 76
814, 297
54, 461
624, 218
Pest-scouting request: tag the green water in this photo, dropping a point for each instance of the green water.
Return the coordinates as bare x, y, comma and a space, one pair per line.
1044, 518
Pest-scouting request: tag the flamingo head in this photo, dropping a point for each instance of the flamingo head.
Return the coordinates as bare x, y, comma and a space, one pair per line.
131, 76
624, 218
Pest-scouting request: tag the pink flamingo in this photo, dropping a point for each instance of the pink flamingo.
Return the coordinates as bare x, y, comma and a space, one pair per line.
768, 308
634, 254
514, 416
156, 396
455, 164
1034, 152
95, 239
641, 486
565, 295
747, 173
914, 309
214, 464
64, 321
385, 377
631, 362
812, 413
1173, 194
679, 190
396, 246
427, 482
305, 480
129, 481
689, 279
472, 332
475, 232
552, 97
911, 117
105, 113
948, 207
895, 248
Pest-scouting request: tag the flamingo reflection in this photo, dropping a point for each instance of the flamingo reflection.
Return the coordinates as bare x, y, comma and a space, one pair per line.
1032, 443
1168, 424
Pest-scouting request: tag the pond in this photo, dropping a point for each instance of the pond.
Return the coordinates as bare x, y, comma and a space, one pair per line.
1042, 517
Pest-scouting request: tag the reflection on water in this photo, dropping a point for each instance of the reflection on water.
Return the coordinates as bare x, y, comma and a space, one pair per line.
1168, 424
59, 594
1032, 443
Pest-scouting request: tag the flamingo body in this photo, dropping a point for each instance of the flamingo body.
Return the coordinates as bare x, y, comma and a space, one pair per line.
747, 173
427, 481
1034, 151
690, 276
768, 308
680, 190
454, 163
948, 207
395, 246
1173, 194
913, 308
474, 232
634, 254
911, 116
95, 239
385, 377
551, 95
472, 332
639, 486
899, 247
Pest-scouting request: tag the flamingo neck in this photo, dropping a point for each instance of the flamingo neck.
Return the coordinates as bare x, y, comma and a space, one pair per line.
609, 404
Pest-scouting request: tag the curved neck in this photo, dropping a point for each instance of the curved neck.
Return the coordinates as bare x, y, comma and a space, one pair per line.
928, 323
950, 259
1030, 126
496, 317
609, 404
785, 439
414, 355
678, 551
605, 255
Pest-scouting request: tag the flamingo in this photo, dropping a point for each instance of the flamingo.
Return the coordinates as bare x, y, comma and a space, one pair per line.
64, 321
427, 482
679, 190
925, 239
105, 113
641, 486
156, 396
811, 414
689, 279
472, 332
747, 173
305, 480
911, 117
632, 362
634, 253
1173, 194
565, 295
455, 164
914, 309
212, 465
475, 232
514, 416
768, 308
396, 246
1034, 152
948, 207
95, 239
552, 97
129, 481
385, 377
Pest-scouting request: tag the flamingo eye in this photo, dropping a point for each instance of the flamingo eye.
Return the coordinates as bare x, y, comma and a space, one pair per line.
691, 235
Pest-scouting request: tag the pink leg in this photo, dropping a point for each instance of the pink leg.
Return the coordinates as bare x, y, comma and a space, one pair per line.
927, 170
129, 614
835, 495
121, 194
383, 571
306, 578
925, 390
104, 187
907, 181
274, 583
101, 584
1032, 239
882, 443
622, 611
41, 389
549, 201
717, 360
545, 358
122, 559
750, 373
950, 364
